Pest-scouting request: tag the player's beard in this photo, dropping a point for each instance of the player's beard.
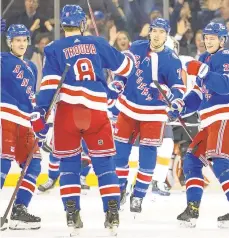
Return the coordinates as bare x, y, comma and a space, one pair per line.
156, 46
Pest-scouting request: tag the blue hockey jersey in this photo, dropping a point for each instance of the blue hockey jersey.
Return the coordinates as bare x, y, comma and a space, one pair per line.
211, 99
139, 100
84, 83
18, 84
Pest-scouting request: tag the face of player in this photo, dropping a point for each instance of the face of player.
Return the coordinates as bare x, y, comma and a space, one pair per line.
212, 43
122, 42
19, 45
158, 37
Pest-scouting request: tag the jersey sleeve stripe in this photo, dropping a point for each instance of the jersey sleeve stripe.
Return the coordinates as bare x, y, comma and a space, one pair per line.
125, 68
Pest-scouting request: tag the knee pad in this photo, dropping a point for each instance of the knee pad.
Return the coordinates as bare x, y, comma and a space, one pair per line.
53, 159
220, 167
123, 152
191, 164
102, 165
71, 165
147, 157
34, 168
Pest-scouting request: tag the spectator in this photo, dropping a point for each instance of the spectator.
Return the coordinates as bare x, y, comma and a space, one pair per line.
122, 41
37, 54
199, 44
32, 19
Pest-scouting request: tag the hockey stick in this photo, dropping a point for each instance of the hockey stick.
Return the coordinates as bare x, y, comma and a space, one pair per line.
170, 104
154, 58
202, 158
30, 156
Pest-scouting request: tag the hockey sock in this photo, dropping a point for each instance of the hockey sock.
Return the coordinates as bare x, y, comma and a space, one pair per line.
121, 162
108, 181
85, 165
5, 167
85, 170
54, 166
28, 184
194, 179
164, 155
147, 163
221, 170
85, 149
70, 180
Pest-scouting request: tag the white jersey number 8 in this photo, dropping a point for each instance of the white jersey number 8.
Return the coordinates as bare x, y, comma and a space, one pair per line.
84, 70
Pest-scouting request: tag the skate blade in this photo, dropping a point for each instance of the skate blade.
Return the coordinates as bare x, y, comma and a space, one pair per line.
112, 231
20, 225
223, 224
84, 191
47, 192
188, 224
74, 232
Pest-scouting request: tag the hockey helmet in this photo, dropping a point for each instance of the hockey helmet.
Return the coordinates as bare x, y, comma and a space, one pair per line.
160, 23
72, 15
218, 29
99, 15
15, 30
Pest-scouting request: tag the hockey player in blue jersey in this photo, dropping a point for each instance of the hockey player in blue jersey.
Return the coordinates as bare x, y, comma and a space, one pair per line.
54, 169
210, 97
18, 84
142, 108
82, 111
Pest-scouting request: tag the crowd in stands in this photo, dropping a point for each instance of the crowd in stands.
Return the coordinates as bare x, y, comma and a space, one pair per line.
119, 21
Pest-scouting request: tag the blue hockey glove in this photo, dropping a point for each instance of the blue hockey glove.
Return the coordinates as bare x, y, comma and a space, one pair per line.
40, 127
176, 108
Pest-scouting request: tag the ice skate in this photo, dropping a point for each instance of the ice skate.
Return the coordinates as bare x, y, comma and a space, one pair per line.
160, 188
20, 219
4, 226
73, 218
223, 221
135, 204
47, 186
112, 217
189, 217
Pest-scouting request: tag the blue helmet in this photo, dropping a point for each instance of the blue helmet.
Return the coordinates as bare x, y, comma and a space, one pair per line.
72, 15
15, 30
218, 29
160, 23
99, 15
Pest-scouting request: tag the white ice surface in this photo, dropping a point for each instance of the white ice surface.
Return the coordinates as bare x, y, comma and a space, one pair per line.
158, 219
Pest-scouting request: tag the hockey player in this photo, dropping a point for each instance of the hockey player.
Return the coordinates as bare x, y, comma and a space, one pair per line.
143, 109
54, 172
210, 97
18, 84
82, 111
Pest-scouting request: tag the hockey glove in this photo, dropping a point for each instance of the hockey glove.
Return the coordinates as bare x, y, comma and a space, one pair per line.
114, 89
166, 90
40, 127
197, 68
176, 108
116, 86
